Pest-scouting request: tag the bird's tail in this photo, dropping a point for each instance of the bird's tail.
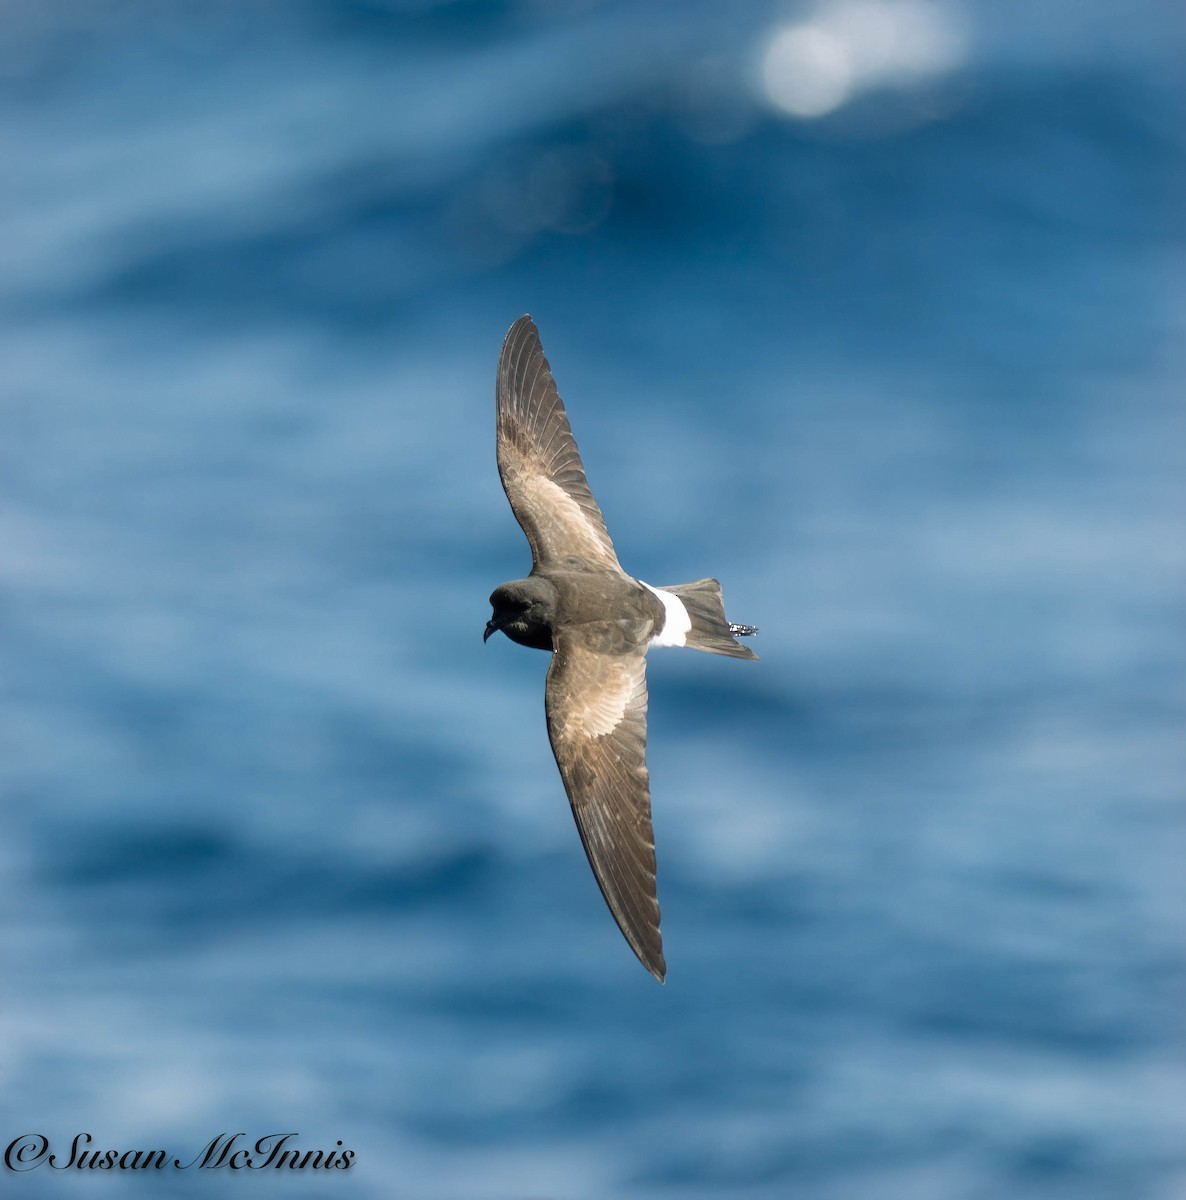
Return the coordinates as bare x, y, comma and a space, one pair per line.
711, 630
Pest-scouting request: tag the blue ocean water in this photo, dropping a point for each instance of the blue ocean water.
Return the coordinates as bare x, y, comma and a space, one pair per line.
873, 310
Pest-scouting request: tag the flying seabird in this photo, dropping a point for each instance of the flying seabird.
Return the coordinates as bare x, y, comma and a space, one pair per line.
599, 623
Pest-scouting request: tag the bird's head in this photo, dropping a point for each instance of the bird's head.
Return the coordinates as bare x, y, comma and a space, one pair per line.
523, 610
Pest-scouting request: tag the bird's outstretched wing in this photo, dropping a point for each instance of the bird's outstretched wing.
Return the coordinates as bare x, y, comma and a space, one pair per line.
538, 459
597, 708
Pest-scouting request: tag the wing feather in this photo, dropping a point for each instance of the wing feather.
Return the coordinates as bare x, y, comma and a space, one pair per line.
538, 460
597, 705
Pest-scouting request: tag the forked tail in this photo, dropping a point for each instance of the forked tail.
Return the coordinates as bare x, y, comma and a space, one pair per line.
711, 630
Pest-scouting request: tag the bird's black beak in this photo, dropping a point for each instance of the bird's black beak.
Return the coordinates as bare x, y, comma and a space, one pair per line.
491, 626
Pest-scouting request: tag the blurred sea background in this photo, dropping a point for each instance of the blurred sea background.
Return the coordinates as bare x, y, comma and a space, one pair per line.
872, 308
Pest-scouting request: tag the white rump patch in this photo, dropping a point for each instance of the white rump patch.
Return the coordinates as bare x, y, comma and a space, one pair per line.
677, 625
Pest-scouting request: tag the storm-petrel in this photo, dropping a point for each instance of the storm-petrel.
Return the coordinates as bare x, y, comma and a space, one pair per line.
598, 623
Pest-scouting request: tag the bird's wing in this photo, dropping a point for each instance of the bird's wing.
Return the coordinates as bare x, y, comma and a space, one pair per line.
538, 459
597, 710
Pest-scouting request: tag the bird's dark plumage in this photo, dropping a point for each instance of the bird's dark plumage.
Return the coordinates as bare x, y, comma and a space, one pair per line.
598, 622
538, 461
